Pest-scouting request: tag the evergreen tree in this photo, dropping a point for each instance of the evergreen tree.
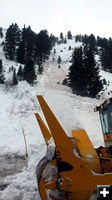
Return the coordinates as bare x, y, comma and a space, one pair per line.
43, 47
83, 75
92, 42
1, 32
64, 82
69, 35
69, 48
75, 75
14, 78
26, 48
54, 51
53, 40
40, 69
106, 54
12, 41
29, 72
78, 38
2, 79
93, 84
65, 41
61, 37
59, 60
20, 73
12, 68
21, 53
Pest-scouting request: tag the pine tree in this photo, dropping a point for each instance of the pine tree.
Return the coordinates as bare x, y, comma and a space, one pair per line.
65, 41
59, 60
53, 40
40, 69
54, 51
43, 47
29, 72
69, 48
75, 75
1, 32
27, 47
93, 83
78, 38
69, 35
61, 37
83, 75
12, 41
106, 54
2, 79
20, 73
92, 42
21, 53
14, 78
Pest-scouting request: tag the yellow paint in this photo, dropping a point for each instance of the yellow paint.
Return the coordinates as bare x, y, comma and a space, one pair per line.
46, 133
86, 149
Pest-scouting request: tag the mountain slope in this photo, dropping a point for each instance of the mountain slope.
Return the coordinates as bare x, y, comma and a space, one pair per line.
18, 106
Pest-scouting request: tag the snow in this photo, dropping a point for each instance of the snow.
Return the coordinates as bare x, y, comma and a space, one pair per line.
18, 106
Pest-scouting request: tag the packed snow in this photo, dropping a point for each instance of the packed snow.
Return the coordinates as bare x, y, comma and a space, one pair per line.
18, 106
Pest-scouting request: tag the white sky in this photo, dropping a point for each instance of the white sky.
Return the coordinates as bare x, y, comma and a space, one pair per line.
78, 16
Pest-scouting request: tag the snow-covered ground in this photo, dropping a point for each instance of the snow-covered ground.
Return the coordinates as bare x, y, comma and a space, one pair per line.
18, 106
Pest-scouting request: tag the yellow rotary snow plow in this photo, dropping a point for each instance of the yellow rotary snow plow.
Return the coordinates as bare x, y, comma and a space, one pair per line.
72, 169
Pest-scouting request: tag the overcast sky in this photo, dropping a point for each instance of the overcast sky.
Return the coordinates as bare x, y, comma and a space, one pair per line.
78, 16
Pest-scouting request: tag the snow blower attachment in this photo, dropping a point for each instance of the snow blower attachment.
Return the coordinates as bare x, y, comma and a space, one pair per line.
72, 168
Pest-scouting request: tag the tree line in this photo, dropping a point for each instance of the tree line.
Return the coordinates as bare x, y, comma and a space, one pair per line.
28, 48
20, 45
102, 46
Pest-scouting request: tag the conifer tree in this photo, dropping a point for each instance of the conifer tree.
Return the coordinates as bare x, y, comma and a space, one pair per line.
43, 47
69, 48
54, 51
29, 72
65, 41
20, 73
59, 60
2, 79
53, 40
93, 84
12, 41
75, 75
14, 78
61, 37
106, 54
27, 47
1, 32
69, 35
83, 75
40, 69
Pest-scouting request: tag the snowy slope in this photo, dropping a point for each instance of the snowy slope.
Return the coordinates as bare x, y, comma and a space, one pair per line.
18, 106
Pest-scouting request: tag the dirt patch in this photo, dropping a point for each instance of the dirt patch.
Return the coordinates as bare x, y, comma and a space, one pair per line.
11, 164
